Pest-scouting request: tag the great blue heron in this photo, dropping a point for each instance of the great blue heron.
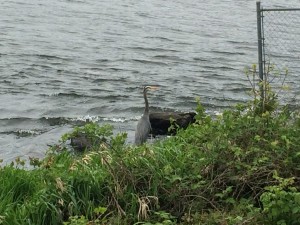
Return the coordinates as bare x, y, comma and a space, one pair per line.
144, 126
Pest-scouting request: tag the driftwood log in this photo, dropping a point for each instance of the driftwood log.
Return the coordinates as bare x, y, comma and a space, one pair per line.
161, 121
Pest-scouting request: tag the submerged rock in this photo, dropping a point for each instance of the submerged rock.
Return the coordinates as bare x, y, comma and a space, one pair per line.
161, 121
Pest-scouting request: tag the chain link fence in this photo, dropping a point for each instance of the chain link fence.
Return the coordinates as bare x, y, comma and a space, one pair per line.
279, 49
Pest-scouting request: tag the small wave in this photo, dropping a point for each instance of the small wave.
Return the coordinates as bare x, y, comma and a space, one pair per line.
6, 82
145, 15
26, 133
51, 57
200, 59
57, 121
92, 70
54, 121
102, 60
69, 95
239, 89
30, 132
149, 62
61, 94
115, 69
95, 119
223, 68
14, 121
168, 57
160, 38
228, 53
76, 1
238, 42
214, 112
86, 118
45, 56
51, 121
117, 120
153, 49
100, 80
121, 119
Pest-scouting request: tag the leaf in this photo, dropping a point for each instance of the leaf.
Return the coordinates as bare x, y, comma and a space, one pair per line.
297, 199
239, 218
274, 143
230, 200
296, 210
100, 210
175, 178
274, 212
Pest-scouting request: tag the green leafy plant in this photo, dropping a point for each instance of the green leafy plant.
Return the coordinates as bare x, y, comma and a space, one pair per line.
82, 220
77, 220
92, 131
160, 218
281, 202
265, 92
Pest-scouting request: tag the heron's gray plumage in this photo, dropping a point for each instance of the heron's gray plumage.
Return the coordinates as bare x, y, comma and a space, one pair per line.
142, 130
144, 126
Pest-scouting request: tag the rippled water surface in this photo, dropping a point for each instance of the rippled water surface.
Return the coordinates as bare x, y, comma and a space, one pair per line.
67, 61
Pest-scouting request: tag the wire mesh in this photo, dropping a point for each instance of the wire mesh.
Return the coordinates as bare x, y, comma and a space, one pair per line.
281, 50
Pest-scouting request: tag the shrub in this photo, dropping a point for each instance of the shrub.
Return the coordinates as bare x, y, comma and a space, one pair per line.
281, 202
217, 171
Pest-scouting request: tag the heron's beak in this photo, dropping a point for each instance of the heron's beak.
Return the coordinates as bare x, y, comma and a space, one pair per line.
153, 88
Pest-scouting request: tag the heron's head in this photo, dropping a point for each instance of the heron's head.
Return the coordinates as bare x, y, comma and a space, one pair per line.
152, 88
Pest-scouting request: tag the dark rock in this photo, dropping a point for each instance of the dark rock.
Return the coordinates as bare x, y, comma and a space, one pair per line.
81, 142
160, 121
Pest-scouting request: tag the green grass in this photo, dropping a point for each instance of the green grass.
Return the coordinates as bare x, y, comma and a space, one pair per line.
239, 168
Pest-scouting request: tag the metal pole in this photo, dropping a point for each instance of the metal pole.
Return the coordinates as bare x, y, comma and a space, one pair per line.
260, 45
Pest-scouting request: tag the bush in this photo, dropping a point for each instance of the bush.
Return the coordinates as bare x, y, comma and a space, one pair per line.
281, 202
238, 168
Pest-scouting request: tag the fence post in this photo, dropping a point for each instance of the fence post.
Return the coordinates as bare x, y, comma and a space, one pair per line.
260, 48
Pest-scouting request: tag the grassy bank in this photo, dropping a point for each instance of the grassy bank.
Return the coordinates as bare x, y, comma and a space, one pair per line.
239, 168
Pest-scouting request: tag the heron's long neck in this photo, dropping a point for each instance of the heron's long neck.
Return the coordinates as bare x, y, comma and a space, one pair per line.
146, 103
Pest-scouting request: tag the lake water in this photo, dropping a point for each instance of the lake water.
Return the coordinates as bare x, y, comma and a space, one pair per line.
63, 62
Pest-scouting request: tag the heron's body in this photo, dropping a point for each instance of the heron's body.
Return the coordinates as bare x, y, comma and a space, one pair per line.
142, 130
144, 126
